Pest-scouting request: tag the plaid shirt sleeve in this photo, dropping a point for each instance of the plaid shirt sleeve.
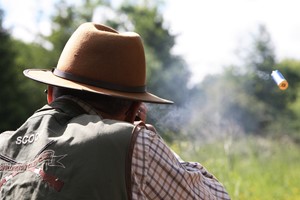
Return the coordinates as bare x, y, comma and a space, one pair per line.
158, 174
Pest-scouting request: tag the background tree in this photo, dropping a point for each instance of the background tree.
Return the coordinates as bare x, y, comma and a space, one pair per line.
255, 77
261, 61
244, 98
16, 99
287, 118
7, 77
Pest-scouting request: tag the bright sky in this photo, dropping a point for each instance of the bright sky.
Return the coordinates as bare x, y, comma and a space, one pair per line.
210, 31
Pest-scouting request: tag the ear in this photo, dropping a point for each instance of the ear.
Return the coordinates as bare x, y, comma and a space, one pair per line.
132, 111
50, 94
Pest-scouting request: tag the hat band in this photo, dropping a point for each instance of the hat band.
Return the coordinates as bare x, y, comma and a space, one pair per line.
101, 84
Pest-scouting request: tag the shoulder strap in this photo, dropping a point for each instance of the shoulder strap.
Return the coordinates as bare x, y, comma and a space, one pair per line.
135, 131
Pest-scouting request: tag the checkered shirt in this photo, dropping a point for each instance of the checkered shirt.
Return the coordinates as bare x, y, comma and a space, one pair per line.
157, 173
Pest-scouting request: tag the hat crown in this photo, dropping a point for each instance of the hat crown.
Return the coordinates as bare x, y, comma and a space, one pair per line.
98, 53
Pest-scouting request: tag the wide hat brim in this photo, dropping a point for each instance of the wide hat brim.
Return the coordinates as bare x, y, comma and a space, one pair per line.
47, 77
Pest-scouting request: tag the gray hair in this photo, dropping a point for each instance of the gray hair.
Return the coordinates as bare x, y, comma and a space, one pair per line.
107, 104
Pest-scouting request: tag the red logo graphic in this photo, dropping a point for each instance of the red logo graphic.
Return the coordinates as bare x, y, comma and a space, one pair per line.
46, 158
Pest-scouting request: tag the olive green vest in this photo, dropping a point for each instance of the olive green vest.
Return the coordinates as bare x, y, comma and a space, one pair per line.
63, 153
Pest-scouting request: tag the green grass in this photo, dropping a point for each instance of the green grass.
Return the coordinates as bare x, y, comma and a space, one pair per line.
250, 167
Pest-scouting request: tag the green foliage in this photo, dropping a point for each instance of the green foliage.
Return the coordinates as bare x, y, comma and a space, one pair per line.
250, 167
20, 97
7, 79
30, 56
260, 62
279, 114
260, 57
288, 116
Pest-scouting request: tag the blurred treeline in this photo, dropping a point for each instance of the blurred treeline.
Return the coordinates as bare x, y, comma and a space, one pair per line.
242, 99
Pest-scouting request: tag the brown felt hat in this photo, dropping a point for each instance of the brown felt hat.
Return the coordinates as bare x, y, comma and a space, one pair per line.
98, 59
